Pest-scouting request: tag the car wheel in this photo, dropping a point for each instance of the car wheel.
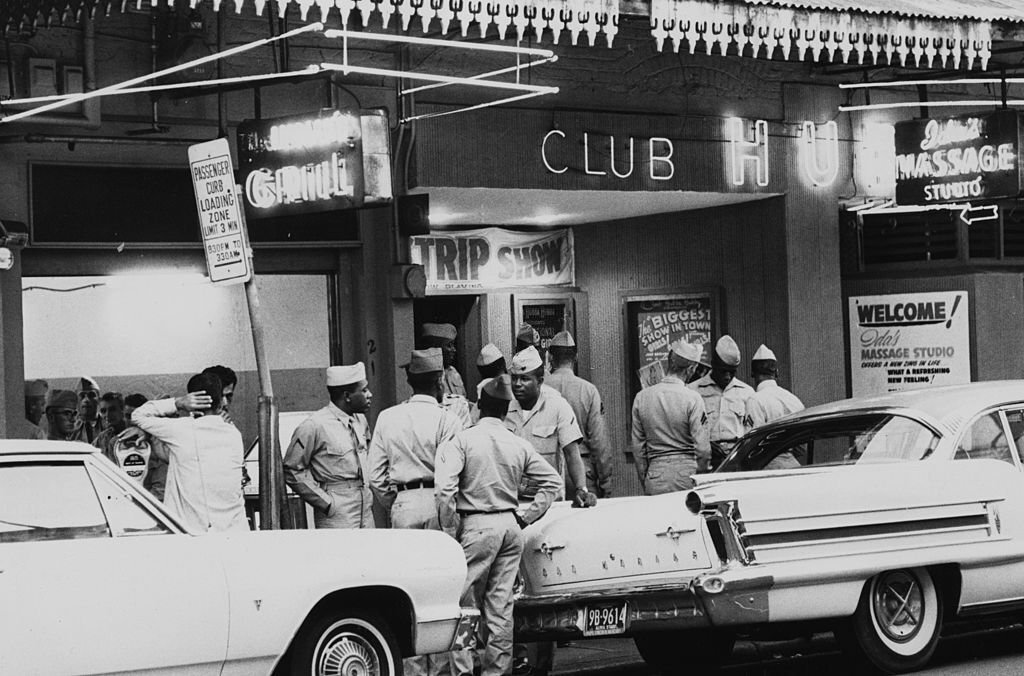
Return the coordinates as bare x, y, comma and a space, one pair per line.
669, 650
346, 644
896, 626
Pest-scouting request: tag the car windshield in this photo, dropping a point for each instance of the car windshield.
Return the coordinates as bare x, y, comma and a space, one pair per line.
844, 440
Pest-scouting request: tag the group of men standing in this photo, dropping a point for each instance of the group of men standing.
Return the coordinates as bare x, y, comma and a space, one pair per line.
690, 421
435, 462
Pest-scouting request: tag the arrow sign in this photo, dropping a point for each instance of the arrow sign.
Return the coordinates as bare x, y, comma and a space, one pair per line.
989, 212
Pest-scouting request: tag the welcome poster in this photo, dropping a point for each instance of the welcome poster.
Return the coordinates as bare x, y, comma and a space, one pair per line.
908, 341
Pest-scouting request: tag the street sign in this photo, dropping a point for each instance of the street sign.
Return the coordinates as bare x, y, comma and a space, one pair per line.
220, 219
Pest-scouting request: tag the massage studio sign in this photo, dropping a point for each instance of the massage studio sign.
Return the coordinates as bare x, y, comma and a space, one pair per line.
906, 341
958, 159
322, 161
489, 259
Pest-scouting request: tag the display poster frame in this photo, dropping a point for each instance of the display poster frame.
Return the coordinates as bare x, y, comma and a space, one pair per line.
542, 311
651, 313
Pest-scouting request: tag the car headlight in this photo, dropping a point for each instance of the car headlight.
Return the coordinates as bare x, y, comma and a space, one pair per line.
693, 502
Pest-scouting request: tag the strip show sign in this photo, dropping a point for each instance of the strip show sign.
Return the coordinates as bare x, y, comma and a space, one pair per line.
958, 159
489, 259
907, 341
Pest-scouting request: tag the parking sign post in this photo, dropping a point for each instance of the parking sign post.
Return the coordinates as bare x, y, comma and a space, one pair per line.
229, 261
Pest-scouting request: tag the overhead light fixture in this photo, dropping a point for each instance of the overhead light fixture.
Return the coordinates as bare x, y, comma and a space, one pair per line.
931, 104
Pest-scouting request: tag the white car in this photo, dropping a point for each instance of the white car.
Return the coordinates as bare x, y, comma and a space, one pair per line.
95, 577
900, 513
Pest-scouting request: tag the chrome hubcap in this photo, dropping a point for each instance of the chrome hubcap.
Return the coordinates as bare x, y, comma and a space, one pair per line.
347, 654
898, 604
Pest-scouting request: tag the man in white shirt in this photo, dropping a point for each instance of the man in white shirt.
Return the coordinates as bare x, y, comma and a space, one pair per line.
770, 401
205, 456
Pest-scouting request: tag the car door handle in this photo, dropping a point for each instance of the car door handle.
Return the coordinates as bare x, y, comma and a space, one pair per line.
548, 550
674, 533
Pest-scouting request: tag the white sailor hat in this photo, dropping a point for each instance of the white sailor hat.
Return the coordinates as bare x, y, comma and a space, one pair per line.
489, 354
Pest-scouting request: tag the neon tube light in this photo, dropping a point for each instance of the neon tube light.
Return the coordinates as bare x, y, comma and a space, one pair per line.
85, 96
502, 71
308, 70
335, 33
447, 79
930, 104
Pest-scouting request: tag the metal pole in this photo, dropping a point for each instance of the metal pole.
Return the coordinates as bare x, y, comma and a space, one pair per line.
271, 470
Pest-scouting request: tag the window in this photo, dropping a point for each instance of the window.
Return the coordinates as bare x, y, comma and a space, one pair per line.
984, 439
1015, 419
52, 501
126, 514
858, 438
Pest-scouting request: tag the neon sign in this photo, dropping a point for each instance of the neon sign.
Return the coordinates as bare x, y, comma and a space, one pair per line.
818, 172
969, 157
742, 151
302, 163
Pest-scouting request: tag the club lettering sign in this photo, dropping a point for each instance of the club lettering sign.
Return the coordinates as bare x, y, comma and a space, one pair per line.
958, 159
301, 164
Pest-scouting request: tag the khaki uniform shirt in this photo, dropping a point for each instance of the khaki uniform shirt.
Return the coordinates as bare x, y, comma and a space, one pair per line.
451, 382
669, 417
770, 402
405, 442
330, 445
480, 470
585, 401
549, 426
726, 410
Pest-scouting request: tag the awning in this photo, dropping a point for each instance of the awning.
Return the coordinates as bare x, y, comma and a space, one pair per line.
908, 33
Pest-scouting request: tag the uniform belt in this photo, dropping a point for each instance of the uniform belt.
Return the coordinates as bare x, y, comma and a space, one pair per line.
475, 512
422, 483
665, 454
342, 483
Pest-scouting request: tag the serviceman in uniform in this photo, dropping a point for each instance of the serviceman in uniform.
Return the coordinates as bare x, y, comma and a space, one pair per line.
489, 363
89, 425
725, 398
478, 477
670, 427
61, 413
544, 418
324, 461
453, 390
770, 401
443, 336
585, 400
548, 423
401, 463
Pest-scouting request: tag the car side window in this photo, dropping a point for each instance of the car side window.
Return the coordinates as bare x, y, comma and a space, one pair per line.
984, 439
49, 501
126, 514
1015, 420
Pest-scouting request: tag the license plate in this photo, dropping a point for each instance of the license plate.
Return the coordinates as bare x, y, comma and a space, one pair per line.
603, 620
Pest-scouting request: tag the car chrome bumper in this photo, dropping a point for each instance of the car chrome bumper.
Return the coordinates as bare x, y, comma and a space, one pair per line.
466, 630
687, 606
562, 617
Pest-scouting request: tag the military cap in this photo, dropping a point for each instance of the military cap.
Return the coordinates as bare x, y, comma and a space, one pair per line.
562, 339
36, 388
86, 383
426, 361
727, 353
489, 354
499, 387
65, 399
687, 351
764, 353
345, 375
527, 334
445, 331
526, 361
